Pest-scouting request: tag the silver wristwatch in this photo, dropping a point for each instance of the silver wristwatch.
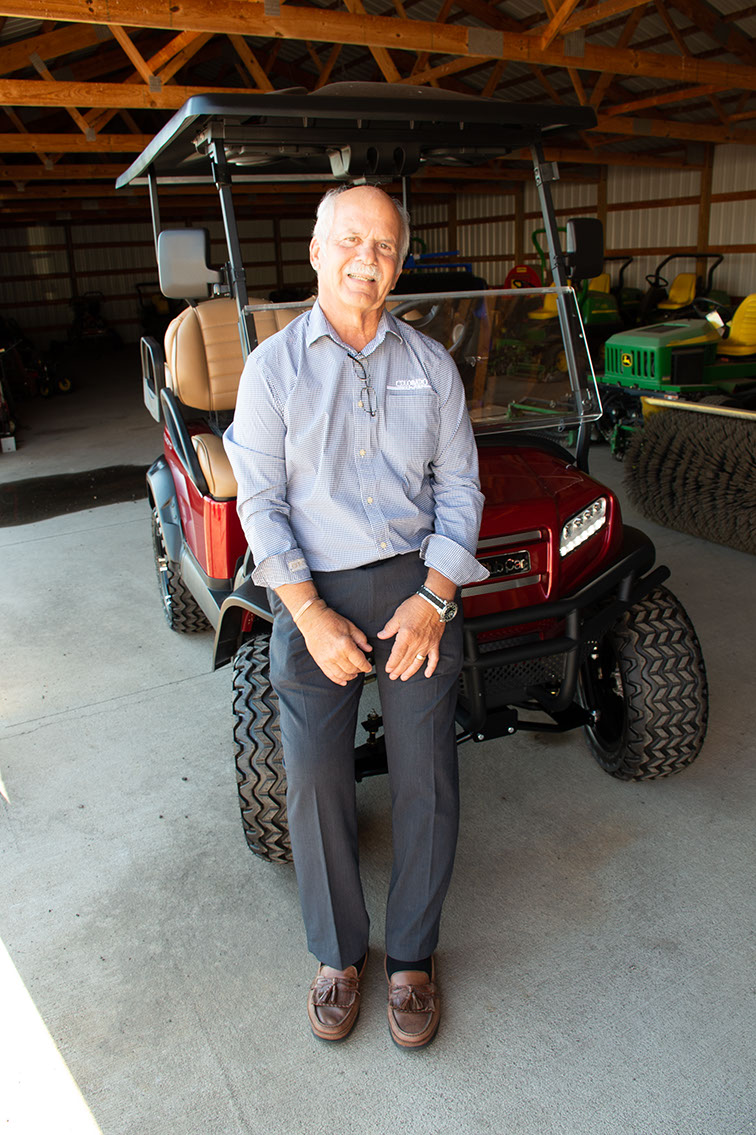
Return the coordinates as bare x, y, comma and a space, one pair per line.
446, 608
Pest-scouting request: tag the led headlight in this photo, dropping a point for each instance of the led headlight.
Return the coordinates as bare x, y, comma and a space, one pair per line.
582, 526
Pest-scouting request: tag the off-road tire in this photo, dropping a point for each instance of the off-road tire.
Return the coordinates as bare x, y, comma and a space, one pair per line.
260, 773
646, 680
181, 610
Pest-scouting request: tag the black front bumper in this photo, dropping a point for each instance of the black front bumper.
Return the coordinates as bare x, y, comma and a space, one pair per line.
585, 617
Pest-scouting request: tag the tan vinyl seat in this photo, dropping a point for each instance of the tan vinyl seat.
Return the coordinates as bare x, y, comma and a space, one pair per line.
204, 362
681, 293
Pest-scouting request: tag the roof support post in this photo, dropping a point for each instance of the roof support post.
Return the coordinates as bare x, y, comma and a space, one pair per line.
154, 205
235, 269
569, 322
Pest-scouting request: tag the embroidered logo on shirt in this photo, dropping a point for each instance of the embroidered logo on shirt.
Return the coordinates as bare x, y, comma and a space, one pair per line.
411, 384
297, 565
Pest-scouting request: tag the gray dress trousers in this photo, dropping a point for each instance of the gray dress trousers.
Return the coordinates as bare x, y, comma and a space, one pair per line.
318, 725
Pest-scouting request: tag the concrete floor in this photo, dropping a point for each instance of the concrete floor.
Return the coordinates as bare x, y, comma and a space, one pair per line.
597, 957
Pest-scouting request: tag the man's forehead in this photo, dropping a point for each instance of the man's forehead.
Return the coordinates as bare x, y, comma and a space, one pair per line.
358, 209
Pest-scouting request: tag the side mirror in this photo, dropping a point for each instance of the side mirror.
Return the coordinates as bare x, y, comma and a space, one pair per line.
584, 248
182, 264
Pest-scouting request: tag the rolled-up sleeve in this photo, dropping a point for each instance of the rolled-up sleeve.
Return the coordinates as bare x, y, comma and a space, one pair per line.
255, 444
458, 500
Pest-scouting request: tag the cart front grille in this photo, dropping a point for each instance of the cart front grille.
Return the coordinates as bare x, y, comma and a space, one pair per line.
517, 681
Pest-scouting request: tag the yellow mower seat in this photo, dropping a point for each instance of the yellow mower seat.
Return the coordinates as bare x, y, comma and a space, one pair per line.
204, 362
601, 283
548, 308
681, 293
742, 337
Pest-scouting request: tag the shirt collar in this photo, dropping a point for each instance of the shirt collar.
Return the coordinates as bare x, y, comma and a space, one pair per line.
318, 327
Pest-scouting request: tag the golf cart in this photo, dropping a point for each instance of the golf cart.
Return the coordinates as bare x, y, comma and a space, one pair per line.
573, 628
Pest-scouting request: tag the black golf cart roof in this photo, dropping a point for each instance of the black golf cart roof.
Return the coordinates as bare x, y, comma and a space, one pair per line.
346, 130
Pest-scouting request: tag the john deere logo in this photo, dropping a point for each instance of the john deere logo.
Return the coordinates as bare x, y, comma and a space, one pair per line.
627, 360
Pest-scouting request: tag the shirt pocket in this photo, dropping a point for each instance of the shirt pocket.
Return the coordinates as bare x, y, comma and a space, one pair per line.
412, 424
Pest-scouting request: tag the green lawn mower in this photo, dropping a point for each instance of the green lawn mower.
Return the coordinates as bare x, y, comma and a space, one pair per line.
676, 300
690, 359
679, 402
598, 307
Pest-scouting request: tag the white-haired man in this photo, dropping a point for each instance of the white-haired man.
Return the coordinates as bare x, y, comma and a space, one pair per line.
359, 495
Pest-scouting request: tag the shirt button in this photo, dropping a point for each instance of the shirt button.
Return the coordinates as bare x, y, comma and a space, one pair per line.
370, 500
362, 453
383, 543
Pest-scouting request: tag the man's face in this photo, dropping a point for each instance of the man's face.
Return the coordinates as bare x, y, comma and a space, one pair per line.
358, 262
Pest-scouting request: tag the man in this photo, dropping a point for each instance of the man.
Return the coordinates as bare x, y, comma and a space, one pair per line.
359, 496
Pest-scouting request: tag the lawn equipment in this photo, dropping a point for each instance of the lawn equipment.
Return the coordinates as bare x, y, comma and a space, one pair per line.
574, 628
693, 468
598, 307
89, 327
675, 301
689, 359
155, 310
628, 299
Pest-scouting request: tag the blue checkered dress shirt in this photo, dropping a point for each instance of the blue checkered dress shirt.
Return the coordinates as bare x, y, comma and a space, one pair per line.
325, 486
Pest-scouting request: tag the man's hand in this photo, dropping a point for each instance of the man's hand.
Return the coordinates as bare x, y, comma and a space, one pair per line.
418, 631
335, 643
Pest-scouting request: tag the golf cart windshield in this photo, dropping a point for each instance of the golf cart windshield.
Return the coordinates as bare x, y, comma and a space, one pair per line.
512, 361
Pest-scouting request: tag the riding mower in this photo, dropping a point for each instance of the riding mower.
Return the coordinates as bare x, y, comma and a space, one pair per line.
598, 307
692, 466
677, 300
693, 359
574, 627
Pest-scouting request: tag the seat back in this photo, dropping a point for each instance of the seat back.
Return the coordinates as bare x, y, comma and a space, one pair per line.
742, 337
601, 283
682, 291
203, 351
203, 355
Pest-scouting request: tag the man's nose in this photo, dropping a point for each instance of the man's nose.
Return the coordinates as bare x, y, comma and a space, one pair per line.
368, 250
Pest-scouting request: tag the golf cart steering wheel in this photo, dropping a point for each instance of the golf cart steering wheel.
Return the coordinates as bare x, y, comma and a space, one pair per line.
657, 281
413, 305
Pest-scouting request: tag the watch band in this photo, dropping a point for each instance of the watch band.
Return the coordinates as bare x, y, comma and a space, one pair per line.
446, 608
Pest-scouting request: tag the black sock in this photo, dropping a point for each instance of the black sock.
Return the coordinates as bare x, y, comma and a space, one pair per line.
359, 964
393, 965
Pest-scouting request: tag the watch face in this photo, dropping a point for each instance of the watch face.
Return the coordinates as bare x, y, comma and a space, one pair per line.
448, 613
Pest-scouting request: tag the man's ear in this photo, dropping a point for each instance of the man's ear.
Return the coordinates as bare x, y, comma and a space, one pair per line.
315, 252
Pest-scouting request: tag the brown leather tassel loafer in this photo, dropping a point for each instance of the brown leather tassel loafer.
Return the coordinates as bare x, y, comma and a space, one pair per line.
333, 1005
414, 1007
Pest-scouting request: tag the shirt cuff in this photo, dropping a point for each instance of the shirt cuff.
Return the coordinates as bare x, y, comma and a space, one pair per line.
284, 567
452, 560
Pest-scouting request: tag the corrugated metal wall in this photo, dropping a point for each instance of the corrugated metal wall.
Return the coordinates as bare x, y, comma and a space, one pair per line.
733, 222
667, 223
646, 209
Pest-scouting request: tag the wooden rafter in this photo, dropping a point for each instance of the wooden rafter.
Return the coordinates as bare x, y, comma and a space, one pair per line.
248, 58
132, 52
586, 17
28, 143
557, 21
380, 54
727, 36
659, 98
626, 36
232, 17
